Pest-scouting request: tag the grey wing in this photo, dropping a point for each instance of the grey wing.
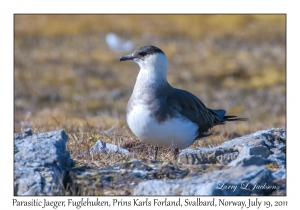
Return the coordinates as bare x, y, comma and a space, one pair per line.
190, 106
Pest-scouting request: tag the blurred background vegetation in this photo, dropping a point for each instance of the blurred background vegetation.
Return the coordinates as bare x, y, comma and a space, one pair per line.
67, 77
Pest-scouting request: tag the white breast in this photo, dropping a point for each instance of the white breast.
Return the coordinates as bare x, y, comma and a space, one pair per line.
176, 132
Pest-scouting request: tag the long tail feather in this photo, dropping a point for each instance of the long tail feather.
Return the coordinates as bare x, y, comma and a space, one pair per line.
220, 117
234, 118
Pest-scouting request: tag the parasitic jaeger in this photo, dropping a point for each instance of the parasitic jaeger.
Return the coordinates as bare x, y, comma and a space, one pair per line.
162, 115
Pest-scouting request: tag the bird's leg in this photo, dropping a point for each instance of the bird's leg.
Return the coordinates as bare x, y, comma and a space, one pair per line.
176, 152
155, 152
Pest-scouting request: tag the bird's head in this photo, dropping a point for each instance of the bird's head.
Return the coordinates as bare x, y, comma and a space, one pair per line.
149, 58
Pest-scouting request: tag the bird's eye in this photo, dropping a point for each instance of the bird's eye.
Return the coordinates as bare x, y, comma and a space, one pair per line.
143, 54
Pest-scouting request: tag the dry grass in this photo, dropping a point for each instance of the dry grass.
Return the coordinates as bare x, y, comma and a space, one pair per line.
67, 78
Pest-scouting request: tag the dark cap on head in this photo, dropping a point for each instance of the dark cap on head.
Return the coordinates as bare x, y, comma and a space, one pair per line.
142, 52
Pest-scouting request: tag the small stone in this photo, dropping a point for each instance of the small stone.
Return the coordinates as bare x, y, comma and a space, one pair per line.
103, 147
28, 132
123, 171
259, 150
247, 151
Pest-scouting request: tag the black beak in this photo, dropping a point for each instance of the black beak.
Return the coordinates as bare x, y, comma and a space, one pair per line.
127, 57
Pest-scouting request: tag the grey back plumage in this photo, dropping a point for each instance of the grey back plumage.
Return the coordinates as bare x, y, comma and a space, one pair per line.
192, 108
177, 101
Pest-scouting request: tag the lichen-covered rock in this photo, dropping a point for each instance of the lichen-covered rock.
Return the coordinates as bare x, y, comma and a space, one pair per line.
252, 155
257, 148
254, 164
103, 147
40, 163
279, 174
252, 180
118, 179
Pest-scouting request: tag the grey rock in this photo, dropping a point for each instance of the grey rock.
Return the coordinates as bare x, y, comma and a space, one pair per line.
251, 160
279, 174
119, 179
208, 155
41, 163
227, 158
280, 159
103, 147
259, 150
254, 164
261, 143
280, 134
280, 147
28, 132
252, 155
240, 180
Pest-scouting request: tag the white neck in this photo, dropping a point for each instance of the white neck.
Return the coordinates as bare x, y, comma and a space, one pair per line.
153, 68
152, 75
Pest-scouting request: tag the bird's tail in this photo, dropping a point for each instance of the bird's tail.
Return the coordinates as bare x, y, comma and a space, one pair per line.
234, 118
221, 118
